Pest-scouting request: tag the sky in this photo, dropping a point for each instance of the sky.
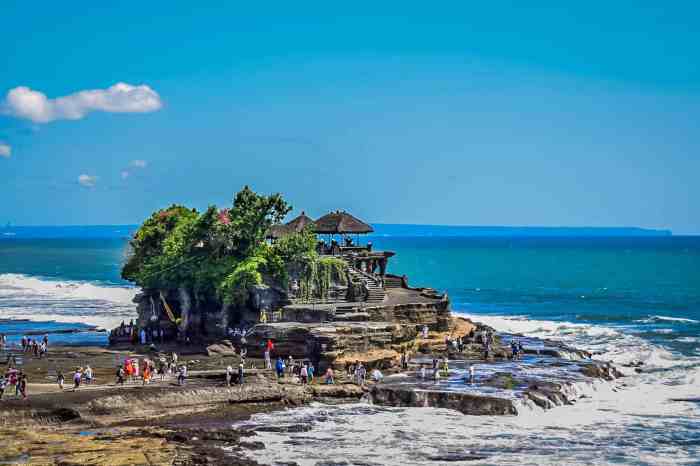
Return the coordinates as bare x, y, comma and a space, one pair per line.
459, 113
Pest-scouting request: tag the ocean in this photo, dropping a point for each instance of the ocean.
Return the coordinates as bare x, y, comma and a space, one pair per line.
626, 299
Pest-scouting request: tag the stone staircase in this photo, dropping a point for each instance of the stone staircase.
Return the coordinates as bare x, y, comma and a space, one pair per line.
393, 282
376, 291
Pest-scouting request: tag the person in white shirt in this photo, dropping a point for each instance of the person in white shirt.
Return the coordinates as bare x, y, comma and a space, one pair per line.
229, 375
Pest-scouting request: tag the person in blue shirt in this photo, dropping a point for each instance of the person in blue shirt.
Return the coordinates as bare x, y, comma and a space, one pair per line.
279, 367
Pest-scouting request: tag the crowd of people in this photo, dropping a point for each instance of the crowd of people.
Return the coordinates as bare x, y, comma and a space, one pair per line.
16, 380
34, 346
134, 370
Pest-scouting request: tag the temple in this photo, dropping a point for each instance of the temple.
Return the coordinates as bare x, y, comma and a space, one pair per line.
362, 308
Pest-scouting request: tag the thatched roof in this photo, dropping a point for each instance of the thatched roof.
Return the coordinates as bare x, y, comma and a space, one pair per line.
277, 231
340, 222
299, 223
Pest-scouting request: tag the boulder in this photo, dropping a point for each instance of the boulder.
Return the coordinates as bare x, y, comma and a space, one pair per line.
222, 348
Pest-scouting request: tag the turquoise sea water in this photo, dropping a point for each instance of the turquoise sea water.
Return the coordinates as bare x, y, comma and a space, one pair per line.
627, 299
649, 286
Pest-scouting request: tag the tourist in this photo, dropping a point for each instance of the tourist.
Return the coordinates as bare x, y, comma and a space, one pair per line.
303, 375
23, 386
120, 375
13, 381
472, 374
279, 367
88, 375
310, 372
128, 369
268, 363
445, 367
60, 379
436, 375
142, 336
350, 369
290, 364
146, 373
244, 353
240, 374
377, 376
46, 340
77, 377
422, 371
3, 384
329, 376
229, 375
182, 375
425, 332
360, 374
23, 343
136, 367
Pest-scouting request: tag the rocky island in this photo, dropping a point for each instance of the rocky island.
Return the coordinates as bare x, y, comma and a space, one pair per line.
238, 288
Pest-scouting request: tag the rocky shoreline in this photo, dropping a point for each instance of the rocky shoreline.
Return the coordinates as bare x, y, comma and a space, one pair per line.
164, 423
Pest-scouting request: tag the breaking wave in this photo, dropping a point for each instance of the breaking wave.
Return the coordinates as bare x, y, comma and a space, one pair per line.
643, 418
36, 299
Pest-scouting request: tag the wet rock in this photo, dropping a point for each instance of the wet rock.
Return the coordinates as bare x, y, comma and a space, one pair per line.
223, 348
456, 456
466, 403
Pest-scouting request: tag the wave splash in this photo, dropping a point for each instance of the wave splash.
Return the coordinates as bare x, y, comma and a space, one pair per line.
36, 299
633, 420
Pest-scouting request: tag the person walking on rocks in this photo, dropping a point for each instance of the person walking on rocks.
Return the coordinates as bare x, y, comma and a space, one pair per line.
3, 384
329, 376
182, 374
268, 362
88, 375
360, 374
310, 372
77, 377
60, 379
279, 367
23, 386
303, 374
120, 375
229, 375
240, 374
472, 373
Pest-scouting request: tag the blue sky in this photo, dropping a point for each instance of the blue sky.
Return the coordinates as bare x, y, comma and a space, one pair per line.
475, 113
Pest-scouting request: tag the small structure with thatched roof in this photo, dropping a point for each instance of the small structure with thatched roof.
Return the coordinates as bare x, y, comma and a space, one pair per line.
341, 223
298, 224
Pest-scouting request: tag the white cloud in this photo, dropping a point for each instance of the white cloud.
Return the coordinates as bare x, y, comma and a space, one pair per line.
87, 180
5, 150
23, 102
138, 163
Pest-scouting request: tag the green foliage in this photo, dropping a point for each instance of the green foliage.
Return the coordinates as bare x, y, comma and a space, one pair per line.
222, 253
250, 218
214, 253
234, 288
296, 246
147, 243
318, 274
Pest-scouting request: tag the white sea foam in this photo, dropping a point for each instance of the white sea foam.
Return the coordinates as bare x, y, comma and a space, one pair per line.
24, 297
633, 420
653, 319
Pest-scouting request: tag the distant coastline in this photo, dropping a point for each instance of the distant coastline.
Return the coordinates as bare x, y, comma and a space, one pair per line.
381, 229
